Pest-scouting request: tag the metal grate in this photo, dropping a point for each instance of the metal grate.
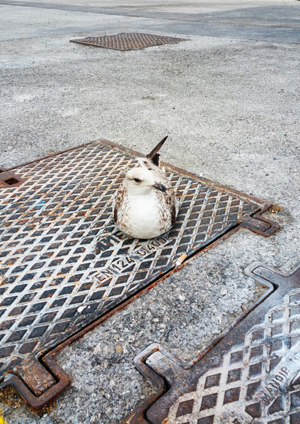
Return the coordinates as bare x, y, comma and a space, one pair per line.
63, 264
251, 376
244, 379
128, 41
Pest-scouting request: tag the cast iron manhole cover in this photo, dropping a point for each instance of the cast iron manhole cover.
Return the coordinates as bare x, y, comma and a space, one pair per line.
251, 376
63, 264
128, 41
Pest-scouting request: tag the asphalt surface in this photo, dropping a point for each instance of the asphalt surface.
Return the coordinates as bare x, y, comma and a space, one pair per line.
228, 97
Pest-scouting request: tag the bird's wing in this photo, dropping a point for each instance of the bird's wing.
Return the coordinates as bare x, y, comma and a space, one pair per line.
119, 201
174, 209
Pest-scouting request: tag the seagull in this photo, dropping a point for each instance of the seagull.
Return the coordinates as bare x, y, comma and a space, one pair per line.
145, 205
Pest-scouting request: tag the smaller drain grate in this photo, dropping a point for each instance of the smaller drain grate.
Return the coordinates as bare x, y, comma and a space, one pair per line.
128, 41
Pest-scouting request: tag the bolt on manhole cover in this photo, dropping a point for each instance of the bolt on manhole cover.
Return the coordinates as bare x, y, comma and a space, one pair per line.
128, 41
251, 376
63, 263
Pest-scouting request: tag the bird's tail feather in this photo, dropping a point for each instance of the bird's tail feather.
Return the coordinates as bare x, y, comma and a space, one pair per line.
153, 155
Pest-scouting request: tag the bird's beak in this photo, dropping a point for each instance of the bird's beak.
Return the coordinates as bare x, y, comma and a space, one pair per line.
160, 187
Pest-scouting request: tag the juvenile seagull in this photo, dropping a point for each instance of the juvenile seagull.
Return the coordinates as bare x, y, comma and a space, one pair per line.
145, 205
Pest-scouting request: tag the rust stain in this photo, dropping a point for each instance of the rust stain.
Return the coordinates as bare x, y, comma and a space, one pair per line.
9, 179
276, 209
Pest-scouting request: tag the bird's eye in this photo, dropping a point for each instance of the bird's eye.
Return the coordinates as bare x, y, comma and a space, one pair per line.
137, 180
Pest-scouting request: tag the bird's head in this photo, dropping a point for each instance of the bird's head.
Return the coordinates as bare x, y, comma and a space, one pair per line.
141, 181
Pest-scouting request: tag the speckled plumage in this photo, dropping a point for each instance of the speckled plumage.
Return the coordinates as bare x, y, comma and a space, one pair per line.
145, 205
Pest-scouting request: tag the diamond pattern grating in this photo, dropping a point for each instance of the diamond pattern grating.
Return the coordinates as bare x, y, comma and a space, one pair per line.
128, 41
244, 375
63, 264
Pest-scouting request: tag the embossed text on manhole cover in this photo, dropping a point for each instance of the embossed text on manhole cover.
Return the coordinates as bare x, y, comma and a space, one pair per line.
63, 263
128, 41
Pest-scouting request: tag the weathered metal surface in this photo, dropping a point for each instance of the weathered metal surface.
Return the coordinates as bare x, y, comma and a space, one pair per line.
63, 264
251, 376
128, 41
9, 179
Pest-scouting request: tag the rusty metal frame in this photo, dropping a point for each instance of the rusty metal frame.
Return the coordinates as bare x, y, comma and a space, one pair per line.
254, 222
139, 416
